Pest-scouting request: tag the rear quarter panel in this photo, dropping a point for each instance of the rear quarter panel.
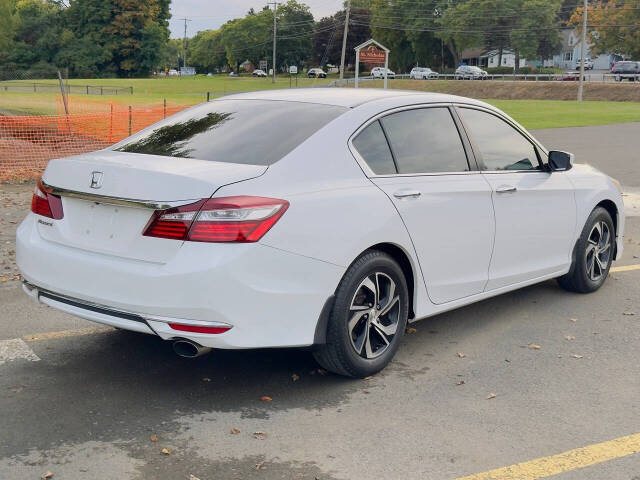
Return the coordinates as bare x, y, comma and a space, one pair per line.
335, 211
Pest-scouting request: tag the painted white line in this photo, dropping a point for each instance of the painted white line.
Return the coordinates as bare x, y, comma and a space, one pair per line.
14, 349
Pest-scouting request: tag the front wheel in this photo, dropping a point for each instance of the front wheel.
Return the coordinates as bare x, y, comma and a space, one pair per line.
593, 256
368, 317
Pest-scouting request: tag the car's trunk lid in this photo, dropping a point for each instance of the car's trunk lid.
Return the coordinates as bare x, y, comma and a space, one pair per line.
108, 198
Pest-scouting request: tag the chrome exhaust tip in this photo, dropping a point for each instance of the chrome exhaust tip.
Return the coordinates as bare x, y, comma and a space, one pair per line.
188, 349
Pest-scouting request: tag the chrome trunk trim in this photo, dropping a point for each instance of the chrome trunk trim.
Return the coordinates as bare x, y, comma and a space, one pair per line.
126, 202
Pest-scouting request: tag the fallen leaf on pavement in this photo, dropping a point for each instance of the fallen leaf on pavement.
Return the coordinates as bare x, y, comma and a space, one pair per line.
461, 355
166, 451
576, 356
3, 279
266, 399
295, 377
569, 337
574, 320
461, 382
533, 346
154, 438
193, 477
235, 431
259, 465
259, 435
411, 330
46, 475
491, 395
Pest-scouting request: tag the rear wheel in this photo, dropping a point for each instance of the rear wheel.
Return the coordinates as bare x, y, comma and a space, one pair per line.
593, 256
368, 318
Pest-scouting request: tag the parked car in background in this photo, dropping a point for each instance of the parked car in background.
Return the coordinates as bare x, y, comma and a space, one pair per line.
422, 73
316, 73
259, 73
626, 70
378, 72
588, 64
571, 76
364, 210
173, 72
466, 72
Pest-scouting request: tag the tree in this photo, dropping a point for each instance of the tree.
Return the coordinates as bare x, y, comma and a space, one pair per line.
250, 38
295, 31
7, 10
329, 32
613, 26
206, 51
529, 27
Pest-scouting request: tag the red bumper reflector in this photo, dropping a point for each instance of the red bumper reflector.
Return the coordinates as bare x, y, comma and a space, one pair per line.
198, 329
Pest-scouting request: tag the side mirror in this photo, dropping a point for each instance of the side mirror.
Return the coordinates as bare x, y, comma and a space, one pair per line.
560, 161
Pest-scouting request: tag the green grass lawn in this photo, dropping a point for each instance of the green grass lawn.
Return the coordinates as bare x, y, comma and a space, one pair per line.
175, 90
532, 114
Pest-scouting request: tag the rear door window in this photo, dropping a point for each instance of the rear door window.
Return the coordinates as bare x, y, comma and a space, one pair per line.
372, 146
425, 140
256, 132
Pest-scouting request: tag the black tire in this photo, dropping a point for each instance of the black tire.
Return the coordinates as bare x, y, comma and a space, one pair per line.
340, 353
593, 259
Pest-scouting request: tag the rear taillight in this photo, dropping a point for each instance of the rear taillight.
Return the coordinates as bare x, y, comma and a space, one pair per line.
46, 204
225, 219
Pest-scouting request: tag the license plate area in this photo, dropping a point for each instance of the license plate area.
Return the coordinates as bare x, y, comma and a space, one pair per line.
110, 229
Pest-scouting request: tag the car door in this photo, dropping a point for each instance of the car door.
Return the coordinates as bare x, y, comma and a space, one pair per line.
535, 211
419, 159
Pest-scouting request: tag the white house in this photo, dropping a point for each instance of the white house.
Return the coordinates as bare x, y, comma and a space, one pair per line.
508, 59
490, 59
569, 56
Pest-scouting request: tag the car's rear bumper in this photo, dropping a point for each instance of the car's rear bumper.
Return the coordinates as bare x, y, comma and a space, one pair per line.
271, 298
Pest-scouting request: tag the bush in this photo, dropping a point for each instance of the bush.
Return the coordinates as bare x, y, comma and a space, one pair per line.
499, 70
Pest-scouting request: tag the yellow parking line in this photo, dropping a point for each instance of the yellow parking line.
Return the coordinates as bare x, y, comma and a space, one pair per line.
66, 333
624, 268
564, 462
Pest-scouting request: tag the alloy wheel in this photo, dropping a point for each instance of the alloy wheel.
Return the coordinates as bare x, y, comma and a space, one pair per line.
598, 251
374, 315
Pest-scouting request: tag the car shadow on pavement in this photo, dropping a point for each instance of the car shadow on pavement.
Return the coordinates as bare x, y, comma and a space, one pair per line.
93, 385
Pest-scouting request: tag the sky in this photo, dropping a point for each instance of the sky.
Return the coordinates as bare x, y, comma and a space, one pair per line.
210, 14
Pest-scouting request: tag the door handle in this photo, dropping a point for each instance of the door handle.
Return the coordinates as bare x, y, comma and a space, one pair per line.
407, 194
506, 189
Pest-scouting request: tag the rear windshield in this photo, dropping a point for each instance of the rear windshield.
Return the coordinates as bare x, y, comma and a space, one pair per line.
256, 132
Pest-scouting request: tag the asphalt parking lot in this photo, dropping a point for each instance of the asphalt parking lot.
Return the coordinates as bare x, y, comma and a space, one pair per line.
538, 375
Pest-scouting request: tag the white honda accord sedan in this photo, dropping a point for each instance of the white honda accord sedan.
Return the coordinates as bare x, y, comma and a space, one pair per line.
314, 217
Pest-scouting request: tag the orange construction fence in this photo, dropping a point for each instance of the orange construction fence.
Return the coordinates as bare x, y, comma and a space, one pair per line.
27, 143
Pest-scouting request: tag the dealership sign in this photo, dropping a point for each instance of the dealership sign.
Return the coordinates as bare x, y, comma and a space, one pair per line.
372, 54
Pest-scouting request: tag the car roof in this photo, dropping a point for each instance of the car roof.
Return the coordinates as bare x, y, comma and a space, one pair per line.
351, 97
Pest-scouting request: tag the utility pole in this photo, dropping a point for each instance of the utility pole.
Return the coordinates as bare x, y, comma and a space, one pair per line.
584, 42
184, 42
275, 29
344, 38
